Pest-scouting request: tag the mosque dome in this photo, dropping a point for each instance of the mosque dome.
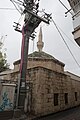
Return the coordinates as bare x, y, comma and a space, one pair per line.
41, 58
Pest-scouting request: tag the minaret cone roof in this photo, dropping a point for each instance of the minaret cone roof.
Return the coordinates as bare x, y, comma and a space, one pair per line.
40, 43
40, 54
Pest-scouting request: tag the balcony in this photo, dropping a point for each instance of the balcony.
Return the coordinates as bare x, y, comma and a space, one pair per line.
76, 34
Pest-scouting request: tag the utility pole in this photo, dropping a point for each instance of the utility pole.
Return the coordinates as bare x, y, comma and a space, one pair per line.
31, 22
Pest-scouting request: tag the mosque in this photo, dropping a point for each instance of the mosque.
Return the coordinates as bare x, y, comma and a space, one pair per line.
51, 88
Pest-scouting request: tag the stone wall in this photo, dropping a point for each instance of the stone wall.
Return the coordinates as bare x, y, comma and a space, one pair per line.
46, 83
47, 63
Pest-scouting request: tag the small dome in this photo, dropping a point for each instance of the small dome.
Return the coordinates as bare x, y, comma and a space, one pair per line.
40, 55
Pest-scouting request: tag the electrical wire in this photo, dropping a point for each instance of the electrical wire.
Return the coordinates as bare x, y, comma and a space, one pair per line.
20, 19
65, 7
65, 43
71, 8
7, 9
15, 6
20, 1
66, 35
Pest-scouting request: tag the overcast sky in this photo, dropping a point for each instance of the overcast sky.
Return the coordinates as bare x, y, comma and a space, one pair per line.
53, 44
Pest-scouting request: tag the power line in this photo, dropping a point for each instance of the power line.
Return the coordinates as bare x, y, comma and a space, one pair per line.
66, 35
69, 10
65, 43
7, 9
20, 19
15, 6
65, 7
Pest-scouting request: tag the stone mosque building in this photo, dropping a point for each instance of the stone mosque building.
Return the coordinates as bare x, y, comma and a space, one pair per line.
51, 88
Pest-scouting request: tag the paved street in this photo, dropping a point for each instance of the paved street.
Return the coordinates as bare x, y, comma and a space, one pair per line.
72, 114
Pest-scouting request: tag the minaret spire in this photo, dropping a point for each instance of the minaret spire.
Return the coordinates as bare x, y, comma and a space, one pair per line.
40, 44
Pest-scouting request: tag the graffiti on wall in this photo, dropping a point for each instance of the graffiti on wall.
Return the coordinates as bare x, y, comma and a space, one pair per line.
6, 104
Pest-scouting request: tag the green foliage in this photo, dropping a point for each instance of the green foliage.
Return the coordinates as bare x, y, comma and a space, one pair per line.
3, 62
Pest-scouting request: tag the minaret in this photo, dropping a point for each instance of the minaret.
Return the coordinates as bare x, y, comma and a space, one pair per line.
40, 44
75, 6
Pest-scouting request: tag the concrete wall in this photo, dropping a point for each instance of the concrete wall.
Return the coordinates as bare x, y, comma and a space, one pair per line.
76, 22
77, 34
74, 4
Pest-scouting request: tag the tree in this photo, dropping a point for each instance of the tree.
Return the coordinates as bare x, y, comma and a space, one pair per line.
3, 62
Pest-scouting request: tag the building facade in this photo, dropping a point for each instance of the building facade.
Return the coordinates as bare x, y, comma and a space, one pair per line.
75, 6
